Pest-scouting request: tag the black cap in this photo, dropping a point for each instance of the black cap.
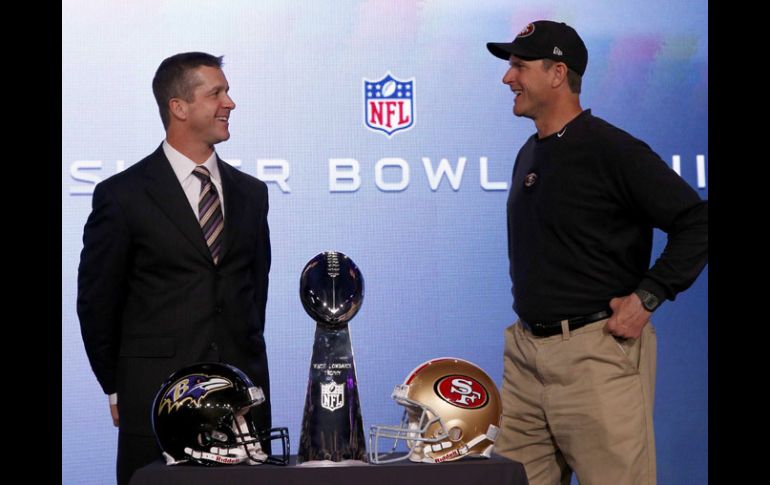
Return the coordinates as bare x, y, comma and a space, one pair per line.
545, 39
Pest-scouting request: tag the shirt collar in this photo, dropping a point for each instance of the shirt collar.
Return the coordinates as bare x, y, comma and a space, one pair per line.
183, 166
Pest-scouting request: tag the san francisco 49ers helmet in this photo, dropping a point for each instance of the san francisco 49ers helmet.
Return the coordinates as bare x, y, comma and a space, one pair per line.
201, 415
452, 410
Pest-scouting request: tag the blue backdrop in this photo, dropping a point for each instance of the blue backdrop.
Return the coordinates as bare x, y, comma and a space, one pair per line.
421, 211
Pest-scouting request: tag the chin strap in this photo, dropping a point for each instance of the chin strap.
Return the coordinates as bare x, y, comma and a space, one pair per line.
248, 450
431, 450
226, 456
171, 461
253, 451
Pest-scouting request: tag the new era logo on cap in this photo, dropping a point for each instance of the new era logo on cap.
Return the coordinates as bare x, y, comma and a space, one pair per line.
545, 39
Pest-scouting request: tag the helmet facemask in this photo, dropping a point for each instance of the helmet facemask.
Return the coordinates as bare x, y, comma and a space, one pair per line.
235, 440
420, 428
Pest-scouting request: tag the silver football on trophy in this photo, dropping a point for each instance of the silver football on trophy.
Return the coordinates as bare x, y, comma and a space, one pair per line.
331, 288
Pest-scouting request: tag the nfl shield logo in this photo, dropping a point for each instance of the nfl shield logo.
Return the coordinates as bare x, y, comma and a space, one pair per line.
389, 104
332, 397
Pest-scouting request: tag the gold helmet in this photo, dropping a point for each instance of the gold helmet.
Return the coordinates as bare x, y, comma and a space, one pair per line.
452, 410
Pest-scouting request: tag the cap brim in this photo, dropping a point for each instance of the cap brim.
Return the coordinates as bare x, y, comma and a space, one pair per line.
504, 50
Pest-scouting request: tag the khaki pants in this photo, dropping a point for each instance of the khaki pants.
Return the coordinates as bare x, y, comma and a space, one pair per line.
581, 401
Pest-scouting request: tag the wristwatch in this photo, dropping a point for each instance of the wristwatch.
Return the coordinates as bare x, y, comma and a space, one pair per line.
649, 300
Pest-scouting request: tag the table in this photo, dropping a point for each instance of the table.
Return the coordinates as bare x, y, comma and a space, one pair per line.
496, 470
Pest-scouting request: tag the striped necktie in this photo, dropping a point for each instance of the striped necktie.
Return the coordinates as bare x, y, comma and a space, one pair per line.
210, 213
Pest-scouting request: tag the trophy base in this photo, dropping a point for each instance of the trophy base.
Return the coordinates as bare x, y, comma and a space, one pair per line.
329, 463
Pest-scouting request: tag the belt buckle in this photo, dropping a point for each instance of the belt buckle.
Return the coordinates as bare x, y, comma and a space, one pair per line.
540, 329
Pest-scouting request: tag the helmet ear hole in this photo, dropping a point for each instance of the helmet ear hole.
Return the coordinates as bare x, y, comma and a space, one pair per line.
455, 433
219, 436
213, 437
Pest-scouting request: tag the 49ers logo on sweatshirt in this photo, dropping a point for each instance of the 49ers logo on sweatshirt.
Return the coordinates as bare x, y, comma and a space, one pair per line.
461, 391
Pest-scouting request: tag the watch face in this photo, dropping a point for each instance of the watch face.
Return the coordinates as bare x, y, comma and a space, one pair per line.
649, 301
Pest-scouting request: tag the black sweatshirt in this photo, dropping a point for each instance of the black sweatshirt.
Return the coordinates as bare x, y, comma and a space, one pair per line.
581, 210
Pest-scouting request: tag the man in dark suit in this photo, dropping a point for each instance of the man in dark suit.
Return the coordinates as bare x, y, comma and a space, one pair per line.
175, 260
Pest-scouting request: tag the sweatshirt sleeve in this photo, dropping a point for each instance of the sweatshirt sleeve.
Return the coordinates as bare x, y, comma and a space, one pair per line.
661, 198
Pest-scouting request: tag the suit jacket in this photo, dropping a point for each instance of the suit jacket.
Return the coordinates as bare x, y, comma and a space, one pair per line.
151, 300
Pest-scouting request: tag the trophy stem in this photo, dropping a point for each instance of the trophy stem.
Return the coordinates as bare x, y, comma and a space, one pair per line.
332, 428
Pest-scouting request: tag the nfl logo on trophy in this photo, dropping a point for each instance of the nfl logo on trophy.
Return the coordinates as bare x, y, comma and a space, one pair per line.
331, 396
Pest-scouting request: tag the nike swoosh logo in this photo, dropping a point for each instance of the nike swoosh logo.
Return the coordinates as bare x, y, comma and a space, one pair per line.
562, 132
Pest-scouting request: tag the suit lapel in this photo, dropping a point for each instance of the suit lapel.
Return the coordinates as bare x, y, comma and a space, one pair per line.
164, 188
233, 200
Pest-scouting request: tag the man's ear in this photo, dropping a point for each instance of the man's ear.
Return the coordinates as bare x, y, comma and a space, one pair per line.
178, 108
560, 71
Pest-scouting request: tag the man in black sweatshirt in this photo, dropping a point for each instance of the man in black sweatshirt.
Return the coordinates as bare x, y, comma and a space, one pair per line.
579, 364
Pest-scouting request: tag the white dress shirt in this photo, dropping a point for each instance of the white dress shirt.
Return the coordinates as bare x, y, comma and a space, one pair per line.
183, 168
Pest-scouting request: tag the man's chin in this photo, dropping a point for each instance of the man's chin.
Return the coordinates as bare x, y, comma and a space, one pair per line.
222, 138
520, 113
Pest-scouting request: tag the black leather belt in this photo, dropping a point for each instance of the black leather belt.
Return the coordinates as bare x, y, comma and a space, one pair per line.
546, 329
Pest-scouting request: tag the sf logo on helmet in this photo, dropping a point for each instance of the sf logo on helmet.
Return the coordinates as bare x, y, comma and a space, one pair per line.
461, 391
